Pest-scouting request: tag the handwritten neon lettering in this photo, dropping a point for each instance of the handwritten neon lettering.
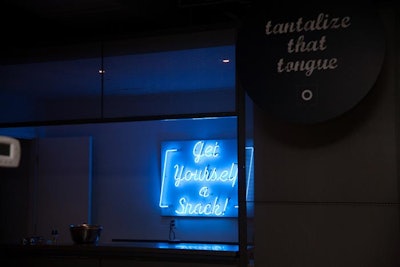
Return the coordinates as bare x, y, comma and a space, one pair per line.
199, 178
204, 192
215, 208
207, 174
201, 150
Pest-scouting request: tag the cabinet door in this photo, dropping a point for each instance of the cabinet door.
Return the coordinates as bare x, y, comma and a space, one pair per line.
63, 186
51, 262
187, 81
66, 87
160, 263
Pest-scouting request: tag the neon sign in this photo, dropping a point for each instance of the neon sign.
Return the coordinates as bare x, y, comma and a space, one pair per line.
199, 178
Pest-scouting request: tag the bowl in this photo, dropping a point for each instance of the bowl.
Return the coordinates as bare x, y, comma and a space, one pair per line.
85, 233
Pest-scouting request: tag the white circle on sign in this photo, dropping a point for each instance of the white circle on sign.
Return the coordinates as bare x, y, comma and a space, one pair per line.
306, 95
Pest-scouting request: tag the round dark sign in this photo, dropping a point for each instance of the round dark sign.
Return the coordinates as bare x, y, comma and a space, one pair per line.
311, 64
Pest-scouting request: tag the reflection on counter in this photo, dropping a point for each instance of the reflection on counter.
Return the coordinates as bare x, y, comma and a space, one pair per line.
176, 245
191, 246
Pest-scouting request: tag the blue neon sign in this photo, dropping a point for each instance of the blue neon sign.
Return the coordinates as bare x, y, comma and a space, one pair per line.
199, 178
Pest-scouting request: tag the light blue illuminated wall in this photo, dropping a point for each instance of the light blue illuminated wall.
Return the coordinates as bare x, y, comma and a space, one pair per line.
127, 177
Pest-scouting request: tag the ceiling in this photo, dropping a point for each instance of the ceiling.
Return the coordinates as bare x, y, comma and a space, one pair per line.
30, 23
34, 22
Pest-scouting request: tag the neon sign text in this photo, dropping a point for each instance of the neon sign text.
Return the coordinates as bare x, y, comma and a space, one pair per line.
207, 174
209, 151
199, 178
214, 208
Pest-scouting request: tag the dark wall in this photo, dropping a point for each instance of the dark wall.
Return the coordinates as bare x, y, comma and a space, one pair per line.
15, 196
328, 194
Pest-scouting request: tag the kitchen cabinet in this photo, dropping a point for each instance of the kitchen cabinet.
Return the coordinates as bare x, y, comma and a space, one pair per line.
51, 84
52, 262
82, 262
139, 255
187, 81
184, 75
138, 263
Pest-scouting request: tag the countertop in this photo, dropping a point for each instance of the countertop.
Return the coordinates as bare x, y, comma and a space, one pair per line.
182, 251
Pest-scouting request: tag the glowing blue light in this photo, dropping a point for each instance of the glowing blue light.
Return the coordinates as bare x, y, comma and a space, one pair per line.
198, 246
199, 178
